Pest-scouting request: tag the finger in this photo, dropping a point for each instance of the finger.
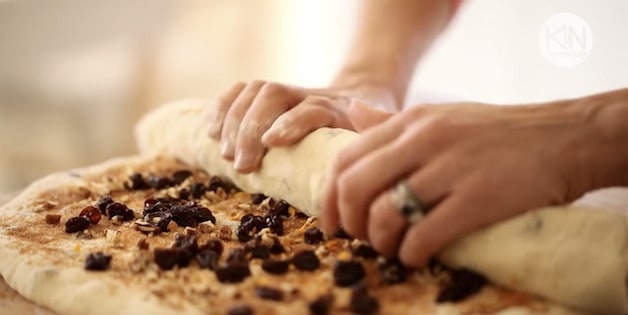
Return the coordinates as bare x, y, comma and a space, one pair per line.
220, 108
235, 115
387, 225
371, 139
272, 101
307, 116
369, 176
363, 116
451, 219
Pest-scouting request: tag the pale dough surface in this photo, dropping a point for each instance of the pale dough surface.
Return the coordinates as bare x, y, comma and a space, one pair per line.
577, 256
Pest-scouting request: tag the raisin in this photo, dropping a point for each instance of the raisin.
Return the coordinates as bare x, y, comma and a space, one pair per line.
117, 208
76, 224
258, 198
183, 215
216, 182
275, 223
166, 258
97, 261
207, 258
341, 233
143, 244
275, 266
348, 273
186, 242
164, 220
364, 251
232, 273
306, 260
184, 194
91, 213
237, 255
159, 182
201, 214
281, 208
313, 236
53, 219
244, 234
268, 293
214, 245
362, 302
257, 250
463, 284
103, 202
252, 221
180, 176
138, 182
320, 306
197, 190
277, 248
241, 309
392, 271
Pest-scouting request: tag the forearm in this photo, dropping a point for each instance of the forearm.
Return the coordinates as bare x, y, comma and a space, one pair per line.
390, 38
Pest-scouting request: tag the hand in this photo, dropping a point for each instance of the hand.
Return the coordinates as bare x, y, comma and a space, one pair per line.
470, 164
251, 117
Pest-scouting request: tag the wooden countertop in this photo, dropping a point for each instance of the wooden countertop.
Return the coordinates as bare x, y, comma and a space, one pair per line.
12, 303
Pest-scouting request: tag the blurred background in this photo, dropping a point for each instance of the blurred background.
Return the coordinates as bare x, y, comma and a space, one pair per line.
76, 75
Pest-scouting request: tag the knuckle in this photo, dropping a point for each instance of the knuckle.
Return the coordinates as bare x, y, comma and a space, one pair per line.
317, 100
272, 89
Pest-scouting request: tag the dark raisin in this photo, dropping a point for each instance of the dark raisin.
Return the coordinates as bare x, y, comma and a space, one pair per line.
207, 258
258, 198
341, 233
306, 260
275, 266
201, 214
166, 258
138, 182
362, 302
180, 176
275, 223
268, 293
184, 194
244, 233
76, 224
164, 220
159, 182
392, 271
237, 255
257, 250
215, 245
281, 208
253, 222
365, 251
232, 272
117, 208
91, 213
320, 306
241, 309
277, 248
348, 273
103, 202
436, 267
313, 235
186, 242
463, 283
216, 182
97, 261
197, 190
183, 215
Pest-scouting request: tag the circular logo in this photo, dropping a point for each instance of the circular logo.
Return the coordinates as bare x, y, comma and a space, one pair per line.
565, 40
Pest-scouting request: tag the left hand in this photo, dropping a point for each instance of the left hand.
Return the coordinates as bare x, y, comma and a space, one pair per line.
470, 164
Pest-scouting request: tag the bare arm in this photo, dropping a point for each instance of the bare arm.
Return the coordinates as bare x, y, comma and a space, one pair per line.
390, 38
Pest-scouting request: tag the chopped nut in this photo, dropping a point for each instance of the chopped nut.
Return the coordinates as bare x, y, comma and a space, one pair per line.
145, 227
190, 231
84, 235
143, 244
172, 226
225, 233
117, 220
205, 227
53, 218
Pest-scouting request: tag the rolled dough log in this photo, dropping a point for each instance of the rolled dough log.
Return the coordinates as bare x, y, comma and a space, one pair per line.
577, 256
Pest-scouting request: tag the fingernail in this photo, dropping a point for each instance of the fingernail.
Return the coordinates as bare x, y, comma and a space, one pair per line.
270, 136
225, 149
243, 161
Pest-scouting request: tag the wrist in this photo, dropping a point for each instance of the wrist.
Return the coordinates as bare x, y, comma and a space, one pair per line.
601, 154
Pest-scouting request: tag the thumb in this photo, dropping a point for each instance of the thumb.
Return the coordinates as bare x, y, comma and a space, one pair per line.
364, 117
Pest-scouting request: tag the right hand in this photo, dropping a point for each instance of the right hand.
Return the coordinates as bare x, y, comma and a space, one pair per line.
252, 116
